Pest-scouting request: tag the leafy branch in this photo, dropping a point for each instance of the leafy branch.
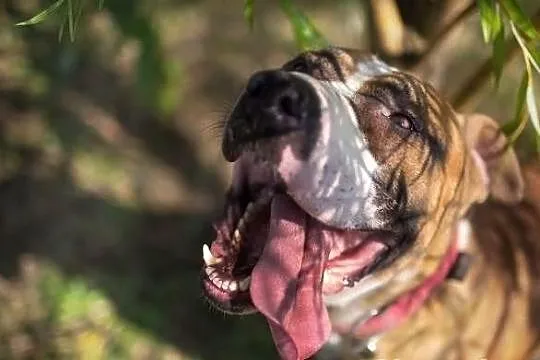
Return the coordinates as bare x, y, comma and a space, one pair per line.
496, 16
504, 24
72, 13
306, 34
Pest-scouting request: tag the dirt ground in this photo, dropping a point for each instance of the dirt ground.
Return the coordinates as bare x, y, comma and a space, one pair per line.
106, 198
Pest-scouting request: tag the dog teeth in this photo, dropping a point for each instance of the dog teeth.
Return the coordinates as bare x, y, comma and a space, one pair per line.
348, 282
244, 284
209, 259
211, 272
251, 209
227, 284
236, 238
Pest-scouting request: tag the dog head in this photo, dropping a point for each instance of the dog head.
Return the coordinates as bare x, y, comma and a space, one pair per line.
349, 177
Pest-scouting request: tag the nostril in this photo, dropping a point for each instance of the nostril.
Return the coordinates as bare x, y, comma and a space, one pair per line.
290, 104
287, 106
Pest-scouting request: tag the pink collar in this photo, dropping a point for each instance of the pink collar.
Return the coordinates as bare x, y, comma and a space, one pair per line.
407, 304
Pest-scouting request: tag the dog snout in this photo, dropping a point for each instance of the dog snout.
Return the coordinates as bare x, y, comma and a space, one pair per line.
274, 103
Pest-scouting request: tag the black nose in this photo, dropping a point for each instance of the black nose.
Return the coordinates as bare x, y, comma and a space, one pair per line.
278, 93
274, 103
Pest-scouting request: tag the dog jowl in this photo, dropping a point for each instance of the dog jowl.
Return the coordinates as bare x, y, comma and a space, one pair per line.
347, 206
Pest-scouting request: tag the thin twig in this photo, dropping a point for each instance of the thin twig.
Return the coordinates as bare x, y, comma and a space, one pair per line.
446, 31
479, 79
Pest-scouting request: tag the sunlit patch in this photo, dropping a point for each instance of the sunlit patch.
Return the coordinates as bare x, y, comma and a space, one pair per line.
335, 184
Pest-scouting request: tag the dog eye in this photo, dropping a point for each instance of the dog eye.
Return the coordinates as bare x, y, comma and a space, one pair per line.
403, 121
299, 66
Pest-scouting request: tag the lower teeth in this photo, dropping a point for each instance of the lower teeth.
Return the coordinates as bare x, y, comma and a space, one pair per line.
227, 284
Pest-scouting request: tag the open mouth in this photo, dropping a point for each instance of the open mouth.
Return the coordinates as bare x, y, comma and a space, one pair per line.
271, 256
263, 221
240, 240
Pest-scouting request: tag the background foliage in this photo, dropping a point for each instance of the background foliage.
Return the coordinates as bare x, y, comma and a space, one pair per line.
110, 170
495, 17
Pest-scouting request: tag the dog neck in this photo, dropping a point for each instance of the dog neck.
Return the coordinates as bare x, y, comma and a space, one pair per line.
453, 264
408, 303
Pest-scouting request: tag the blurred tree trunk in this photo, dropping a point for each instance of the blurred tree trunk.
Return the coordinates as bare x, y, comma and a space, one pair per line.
402, 31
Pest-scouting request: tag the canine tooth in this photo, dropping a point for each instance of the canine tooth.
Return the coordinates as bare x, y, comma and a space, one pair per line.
209, 271
213, 275
244, 284
233, 286
209, 259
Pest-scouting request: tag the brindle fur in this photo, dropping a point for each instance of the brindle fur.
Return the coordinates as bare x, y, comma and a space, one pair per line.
494, 312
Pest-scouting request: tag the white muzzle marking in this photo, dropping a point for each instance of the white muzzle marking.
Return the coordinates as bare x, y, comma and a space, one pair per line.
335, 185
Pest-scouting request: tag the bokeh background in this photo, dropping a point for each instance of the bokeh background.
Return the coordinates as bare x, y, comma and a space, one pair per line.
111, 173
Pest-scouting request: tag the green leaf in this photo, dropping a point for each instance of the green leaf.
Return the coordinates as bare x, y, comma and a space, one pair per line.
100, 4
306, 34
79, 15
71, 24
531, 107
61, 30
498, 58
528, 56
514, 128
248, 12
519, 18
42, 15
534, 52
490, 19
151, 74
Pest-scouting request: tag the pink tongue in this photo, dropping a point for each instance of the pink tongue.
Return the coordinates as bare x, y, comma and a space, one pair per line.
286, 283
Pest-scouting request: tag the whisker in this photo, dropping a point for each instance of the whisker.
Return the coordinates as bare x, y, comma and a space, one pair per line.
215, 124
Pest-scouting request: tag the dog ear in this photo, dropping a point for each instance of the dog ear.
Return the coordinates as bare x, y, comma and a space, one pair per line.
496, 159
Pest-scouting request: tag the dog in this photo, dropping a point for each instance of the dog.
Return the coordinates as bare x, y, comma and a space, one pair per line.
364, 213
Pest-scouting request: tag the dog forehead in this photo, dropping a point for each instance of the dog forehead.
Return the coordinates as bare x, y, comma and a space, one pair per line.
351, 72
338, 64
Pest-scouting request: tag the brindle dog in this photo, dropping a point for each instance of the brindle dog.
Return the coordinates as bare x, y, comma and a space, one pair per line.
363, 207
